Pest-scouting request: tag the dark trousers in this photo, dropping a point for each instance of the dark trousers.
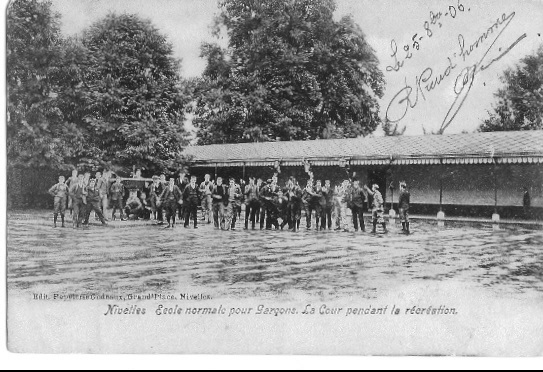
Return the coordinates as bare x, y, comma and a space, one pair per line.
263, 212
326, 217
134, 212
97, 208
170, 207
358, 215
78, 212
218, 214
251, 210
295, 215
117, 204
191, 212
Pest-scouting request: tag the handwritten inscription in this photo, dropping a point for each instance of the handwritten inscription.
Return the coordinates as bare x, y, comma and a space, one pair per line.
428, 80
430, 26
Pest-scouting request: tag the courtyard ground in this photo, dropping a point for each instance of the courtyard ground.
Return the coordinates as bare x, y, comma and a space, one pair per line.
137, 257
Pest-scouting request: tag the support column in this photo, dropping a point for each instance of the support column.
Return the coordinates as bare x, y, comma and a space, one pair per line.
495, 216
441, 214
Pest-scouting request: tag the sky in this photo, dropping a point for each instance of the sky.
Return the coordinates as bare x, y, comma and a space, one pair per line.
507, 29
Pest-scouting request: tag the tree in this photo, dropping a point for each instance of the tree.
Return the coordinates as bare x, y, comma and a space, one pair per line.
34, 125
126, 91
290, 72
520, 101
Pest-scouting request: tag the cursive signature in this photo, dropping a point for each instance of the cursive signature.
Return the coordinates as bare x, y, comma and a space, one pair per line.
408, 97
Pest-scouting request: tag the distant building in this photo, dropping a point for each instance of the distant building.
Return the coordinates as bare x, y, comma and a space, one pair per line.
464, 174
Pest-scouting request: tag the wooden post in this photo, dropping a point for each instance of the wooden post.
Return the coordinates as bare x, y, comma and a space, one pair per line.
244, 171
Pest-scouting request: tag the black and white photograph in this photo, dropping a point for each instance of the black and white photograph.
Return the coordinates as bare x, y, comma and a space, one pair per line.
275, 177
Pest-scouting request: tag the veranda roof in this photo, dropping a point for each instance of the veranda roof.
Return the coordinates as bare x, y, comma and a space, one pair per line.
472, 148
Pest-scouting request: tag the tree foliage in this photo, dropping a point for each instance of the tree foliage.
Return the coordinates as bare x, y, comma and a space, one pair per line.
520, 101
34, 49
112, 96
290, 72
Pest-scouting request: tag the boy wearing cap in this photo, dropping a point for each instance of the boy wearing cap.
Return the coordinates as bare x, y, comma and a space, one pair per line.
234, 203
252, 203
219, 196
78, 193
377, 208
60, 193
191, 200
156, 189
327, 204
94, 199
295, 204
404, 201
70, 182
206, 189
181, 182
171, 196
116, 194
358, 200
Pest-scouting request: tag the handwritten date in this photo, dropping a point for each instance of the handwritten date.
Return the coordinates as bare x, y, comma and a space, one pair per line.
435, 21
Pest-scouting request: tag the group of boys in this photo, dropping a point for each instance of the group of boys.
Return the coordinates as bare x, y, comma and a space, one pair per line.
82, 195
266, 203
272, 206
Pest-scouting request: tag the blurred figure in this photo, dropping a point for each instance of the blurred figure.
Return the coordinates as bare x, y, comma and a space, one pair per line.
170, 198
93, 202
116, 194
252, 203
206, 189
220, 198
358, 200
377, 208
191, 200
78, 193
403, 202
527, 203
60, 193
133, 206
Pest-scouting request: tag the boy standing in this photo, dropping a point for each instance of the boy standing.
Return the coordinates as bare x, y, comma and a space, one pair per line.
206, 189
60, 193
78, 193
171, 196
327, 204
378, 208
405, 199
358, 200
156, 189
102, 183
252, 206
116, 193
191, 200
181, 182
234, 204
219, 196
70, 182
93, 202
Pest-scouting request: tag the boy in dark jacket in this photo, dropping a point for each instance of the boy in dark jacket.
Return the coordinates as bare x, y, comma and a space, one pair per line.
94, 202
191, 200
405, 199
170, 198
219, 195
358, 200
116, 195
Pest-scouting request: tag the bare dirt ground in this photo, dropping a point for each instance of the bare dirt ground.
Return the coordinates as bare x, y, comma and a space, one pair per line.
137, 258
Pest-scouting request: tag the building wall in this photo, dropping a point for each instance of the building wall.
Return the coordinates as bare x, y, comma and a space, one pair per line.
471, 185
468, 190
